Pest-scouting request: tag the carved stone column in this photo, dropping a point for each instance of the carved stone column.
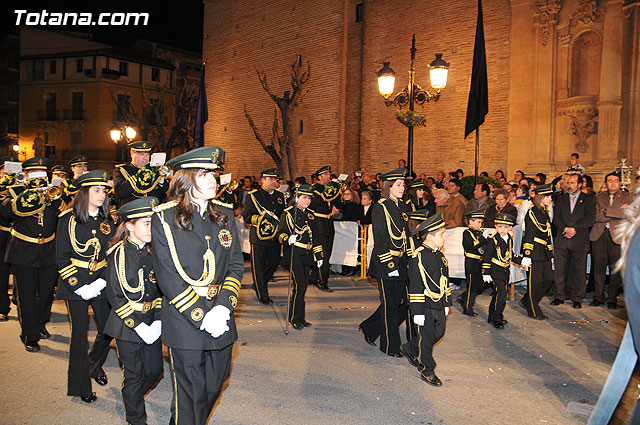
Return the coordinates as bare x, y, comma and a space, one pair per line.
610, 102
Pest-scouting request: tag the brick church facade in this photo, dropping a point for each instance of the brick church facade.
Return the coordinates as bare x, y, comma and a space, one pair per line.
563, 76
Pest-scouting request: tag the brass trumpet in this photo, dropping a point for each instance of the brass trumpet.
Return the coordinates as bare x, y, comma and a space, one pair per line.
231, 186
53, 192
165, 172
21, 177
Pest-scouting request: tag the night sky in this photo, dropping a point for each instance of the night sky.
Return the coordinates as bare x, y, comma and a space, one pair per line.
176, 23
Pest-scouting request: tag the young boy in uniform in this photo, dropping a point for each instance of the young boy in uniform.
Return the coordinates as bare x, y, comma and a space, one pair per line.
429, 294
496, 263
473, 243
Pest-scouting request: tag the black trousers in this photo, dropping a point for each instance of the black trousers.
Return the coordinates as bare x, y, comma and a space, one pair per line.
321, 274
605, 253
264, 262
197, 380
386, 320
35, 296
142, 366
299, 281
475, 286
435, 323
5, 302
498, 300
571, 274
84, 365
540, 279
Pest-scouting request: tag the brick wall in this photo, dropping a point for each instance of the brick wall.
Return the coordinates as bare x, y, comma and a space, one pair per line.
346, 123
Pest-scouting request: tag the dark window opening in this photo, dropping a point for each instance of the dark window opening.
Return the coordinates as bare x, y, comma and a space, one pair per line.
359, 12
155, 74
124, 68
77, 106
79, 65
52, 67
301, 126
50, 106
122, 111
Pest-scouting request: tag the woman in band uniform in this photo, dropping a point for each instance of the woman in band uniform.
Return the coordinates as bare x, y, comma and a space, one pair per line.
198, 264
135, 299
84, 232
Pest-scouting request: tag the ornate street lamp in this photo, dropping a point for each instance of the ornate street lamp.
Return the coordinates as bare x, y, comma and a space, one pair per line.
121, 135
412, 93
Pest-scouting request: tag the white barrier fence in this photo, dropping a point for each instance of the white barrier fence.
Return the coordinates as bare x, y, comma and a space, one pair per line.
347, 242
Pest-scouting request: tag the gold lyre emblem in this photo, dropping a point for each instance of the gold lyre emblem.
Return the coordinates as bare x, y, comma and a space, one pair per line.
146, 307
212, 291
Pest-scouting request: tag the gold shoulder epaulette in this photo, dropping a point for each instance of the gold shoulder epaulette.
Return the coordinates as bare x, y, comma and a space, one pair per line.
121, 165
110, 250
417, 251
165, 206
215, 201
65, 212
381, 200
253, 191
288, 208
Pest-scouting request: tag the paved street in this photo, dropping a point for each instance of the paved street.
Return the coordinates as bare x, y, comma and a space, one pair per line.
530, 373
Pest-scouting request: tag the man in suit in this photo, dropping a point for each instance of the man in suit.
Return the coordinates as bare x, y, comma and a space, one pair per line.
610, 206
481, 200
574, 215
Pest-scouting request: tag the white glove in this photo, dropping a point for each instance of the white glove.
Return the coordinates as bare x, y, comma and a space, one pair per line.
418, 319
87, 292
98, 285
215, 321
292, 239
446, 311
145, 332
553, 264
394, 273
526, 262
319, 262
156, 327
487, 278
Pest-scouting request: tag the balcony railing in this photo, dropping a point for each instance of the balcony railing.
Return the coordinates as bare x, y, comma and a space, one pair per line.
74, 115
47, 115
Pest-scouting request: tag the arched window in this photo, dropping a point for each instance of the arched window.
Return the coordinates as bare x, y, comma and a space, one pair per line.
586, 55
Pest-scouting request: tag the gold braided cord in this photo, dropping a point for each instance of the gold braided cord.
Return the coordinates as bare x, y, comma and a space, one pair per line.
81, 248
209, 266
392, 236
122, 276
297, 229
507, 257
134, 184
544, 229
442, 285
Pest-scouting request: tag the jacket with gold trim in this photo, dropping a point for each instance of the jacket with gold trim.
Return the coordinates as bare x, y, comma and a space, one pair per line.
391, 239
196, 270
498, 256
536, 241
263, 225
132, 291
81, 252
429, 286
473, 243
131, 182
34, 220
322, 202
307, 247
5, 224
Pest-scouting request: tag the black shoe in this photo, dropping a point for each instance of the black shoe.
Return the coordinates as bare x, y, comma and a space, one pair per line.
306, 324
404, 350
521, 303
367, 339
265, 301
469, 312
431, 380
612, 306
460, 300
297, 325
101, 380
44, 333
394, 355
539, 317
556, 301
498, 325
89, 398
324, 288
4, 317
595, 303
32, 346
504, 321
577, 304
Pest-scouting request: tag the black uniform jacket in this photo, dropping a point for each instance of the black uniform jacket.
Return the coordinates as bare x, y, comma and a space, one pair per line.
306, 249
38, 228
132, 290
5, 228
390, 239
473, 243
126, 189
498, 256
181, 271
536, 242
73, 259
429, 286
257, 202
321, 207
